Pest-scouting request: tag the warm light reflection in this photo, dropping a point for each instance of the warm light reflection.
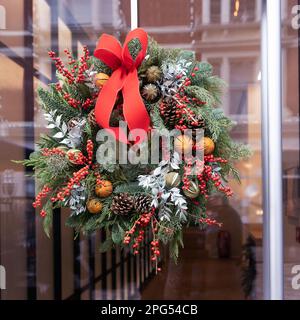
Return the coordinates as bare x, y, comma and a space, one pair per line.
237, 8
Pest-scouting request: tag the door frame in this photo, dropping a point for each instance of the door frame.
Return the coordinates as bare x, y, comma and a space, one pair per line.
271, 109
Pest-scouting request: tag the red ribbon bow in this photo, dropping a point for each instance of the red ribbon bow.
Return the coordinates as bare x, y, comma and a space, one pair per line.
125, 78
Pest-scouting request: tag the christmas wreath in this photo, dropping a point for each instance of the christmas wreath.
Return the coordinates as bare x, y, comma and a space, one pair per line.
146, 87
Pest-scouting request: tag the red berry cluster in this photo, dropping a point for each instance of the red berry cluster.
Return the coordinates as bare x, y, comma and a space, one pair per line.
155, 244
78, 175
77, 158
71, 59
99, 181
184, 112
191, 167
90, 151
61, 68
187, 170
58, 87
41, 195
209, 175
184, 105
75, 180
74, 74
137, 236
83, 65
155, 250
49, 152
43, 213
87, 103
210, 222
211, 158
71, 101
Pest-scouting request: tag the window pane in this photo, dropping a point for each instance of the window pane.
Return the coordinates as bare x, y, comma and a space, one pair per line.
204, 27
215, 11
290, 155
36, 266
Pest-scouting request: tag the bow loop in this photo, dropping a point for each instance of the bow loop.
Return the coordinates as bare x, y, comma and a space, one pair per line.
142, 37
109, 51
124, 78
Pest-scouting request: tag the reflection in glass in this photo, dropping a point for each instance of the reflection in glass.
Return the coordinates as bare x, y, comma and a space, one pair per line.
212, 30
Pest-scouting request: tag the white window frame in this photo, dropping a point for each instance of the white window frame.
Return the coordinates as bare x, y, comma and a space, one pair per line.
272, 148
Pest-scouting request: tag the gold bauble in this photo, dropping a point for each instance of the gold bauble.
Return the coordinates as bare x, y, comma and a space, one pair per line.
209, 146
100, 79
172, 179
94, 206
183, 144
193, 190
104, 189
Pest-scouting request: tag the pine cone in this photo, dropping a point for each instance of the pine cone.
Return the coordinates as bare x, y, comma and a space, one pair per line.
122, 204
142, 203
92, 119
168, 113
153, 74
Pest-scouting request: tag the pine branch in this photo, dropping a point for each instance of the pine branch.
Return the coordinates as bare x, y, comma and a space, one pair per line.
131, 188
50, 100
134, 47
99, 65
202, 94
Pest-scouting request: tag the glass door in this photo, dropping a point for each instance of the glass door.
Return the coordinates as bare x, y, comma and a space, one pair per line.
290, 150
225, 33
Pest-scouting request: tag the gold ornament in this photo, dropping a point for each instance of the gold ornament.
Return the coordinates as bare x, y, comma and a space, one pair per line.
94, 206
193, 190
104, 189
73, 153
172, 179
150, 92
100, 79
209, 146
183, 144
153, 74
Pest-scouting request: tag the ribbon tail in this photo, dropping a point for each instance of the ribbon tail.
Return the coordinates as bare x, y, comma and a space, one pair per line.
105, 104
134, 110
